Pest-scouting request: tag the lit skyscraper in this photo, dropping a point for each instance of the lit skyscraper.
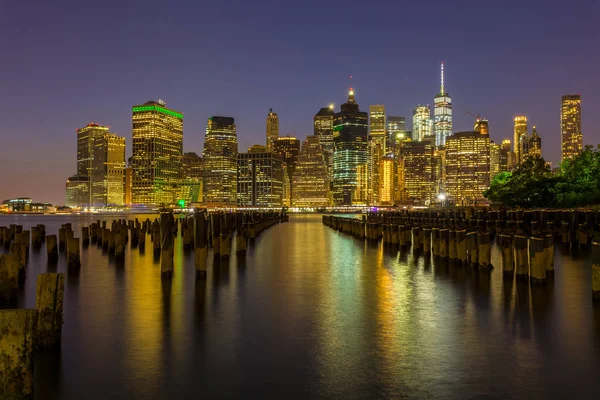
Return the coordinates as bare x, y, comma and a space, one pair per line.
310, 180
377, 149
467, 168
157, 150
570, 126
350, 133
387, 181
220, 163
288, 149
108, 170
481, 126
323, 129
191, 166
520, 131
260, 178
77, 191
272, 129
421, 123
418, 172
506, 156
442, 109
495, 150
85, 146
534, 145
396, 131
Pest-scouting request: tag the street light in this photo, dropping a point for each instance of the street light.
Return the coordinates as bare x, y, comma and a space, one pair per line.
441, 197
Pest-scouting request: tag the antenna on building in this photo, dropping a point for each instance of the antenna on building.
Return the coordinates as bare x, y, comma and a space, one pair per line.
442, 88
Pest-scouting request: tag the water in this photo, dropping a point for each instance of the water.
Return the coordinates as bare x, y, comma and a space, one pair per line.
312, 313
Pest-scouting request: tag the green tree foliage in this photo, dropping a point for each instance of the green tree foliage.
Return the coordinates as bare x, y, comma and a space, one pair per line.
532, 184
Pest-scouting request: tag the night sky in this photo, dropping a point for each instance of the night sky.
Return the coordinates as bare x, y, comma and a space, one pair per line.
67, 63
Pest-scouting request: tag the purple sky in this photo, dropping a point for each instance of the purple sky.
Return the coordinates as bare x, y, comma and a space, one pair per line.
65, 64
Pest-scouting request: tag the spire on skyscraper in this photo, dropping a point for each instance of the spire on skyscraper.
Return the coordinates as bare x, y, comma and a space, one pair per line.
442, 87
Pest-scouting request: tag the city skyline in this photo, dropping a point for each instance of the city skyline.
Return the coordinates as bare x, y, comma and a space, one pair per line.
44, 104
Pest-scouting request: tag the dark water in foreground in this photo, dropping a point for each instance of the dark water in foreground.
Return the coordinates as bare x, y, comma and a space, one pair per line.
314, 313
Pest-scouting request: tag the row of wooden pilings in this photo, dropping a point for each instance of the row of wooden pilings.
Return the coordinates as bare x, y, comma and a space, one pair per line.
527, 257
25, 332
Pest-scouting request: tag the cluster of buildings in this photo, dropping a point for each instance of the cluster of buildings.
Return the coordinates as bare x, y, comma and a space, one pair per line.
353, 158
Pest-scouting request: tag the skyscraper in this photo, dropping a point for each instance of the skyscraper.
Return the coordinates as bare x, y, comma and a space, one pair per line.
418, 168
288, 149
481, 126
350, 133
396, 131
421, 123
272, 129
220, 163
310, 180
442, 110
260, 179
191, 166
506, 156
570, 126
108, 170
520, 131
467, 168
495, 157
377, 149
157, 150
323, 129
387, 180
77, 191
85, 152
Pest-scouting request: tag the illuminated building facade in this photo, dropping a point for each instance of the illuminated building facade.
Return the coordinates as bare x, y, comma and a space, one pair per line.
191, 166
128, 184
220, 166
421, 123
495, 150
467, 168
350, 134
419, 176
288, 149
85, 150
377, 149
287, 187
323, 129
272, 129
78, 191
311, 180
387, 181
570, 126
482, 126
260, 179
108, 170
157, 151
396, 131
534, 144
442, 111
506, 156
520, 131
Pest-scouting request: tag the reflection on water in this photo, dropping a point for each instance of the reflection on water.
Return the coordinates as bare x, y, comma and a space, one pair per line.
310, 312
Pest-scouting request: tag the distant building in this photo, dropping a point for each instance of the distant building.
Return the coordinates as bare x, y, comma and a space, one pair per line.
128, 185
520, 131
86, 137
272, 129
467, 168
350, 140
377, 149
535, 144
570, 126
506, 156
260, 180
191, 166
157, 140
495, 156
419, 175
220, 165
396, 131
108, 170
481, 126
323, 129
442, 111
310, 180
257, 148
78, 191
387, 181
288, 149
421, 123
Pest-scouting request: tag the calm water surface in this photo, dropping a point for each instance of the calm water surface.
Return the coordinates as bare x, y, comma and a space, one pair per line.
312, 313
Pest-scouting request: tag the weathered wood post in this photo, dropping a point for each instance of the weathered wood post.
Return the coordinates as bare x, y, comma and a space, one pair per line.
215, 227
200, 243
62, 237
85, 236
485, 253
120, 245
111, 241
537, 260
50, 290
51, 249
549, 248
444, 243
473, 248
505, 240
225, 247
73, 255
521, 258
426, 241
36, 237
9, 276
142, 240
240, 238
17, 343
452, 246
18, 250
156, 239
461, 246
166, 243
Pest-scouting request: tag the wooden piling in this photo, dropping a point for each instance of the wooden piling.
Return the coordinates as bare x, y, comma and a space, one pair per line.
49, 303
51, 249
505, 241
200, 243
521, 256
73, 255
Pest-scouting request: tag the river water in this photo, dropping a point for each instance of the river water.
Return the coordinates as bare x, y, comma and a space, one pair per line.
313, 313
